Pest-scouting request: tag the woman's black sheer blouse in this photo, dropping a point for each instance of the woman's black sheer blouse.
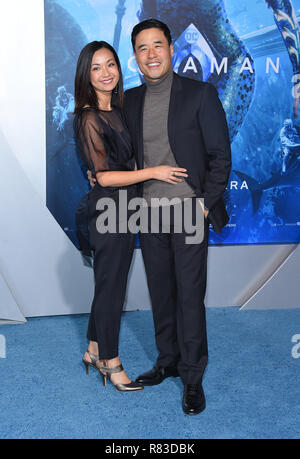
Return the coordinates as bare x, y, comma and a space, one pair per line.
103, 140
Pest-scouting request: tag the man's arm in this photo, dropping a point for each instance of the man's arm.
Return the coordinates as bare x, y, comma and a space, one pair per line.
213, 124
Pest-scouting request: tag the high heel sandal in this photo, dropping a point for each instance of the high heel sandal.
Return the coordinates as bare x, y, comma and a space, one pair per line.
106, 374
94, 359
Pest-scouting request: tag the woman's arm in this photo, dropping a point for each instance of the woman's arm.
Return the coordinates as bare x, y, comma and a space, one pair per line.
94, 149
167, 174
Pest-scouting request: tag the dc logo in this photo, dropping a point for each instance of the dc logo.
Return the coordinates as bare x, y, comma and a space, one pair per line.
193, 56
192, 36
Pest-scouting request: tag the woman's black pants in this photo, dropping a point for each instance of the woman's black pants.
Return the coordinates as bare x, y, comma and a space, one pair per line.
112, 259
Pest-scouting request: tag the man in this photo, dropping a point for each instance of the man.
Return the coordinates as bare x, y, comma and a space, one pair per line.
177, 121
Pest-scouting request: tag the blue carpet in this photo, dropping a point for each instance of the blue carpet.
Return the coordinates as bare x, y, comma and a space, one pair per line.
251, 384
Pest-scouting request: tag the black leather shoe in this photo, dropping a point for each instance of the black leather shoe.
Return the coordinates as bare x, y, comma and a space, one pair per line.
193, 401
157, 375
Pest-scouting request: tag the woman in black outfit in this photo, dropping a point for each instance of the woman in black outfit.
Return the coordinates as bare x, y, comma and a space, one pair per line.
106, 149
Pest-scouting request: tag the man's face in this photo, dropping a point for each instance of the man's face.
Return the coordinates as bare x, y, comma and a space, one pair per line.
153, 54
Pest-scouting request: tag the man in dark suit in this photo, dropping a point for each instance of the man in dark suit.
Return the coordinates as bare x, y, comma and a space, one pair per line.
180, 122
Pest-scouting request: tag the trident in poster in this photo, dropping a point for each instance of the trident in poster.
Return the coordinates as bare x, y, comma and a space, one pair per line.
120, 12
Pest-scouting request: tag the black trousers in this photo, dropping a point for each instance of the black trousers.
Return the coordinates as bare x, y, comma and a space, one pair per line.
112, 259
176, 275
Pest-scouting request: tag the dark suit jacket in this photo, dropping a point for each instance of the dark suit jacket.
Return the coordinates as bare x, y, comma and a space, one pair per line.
198, 136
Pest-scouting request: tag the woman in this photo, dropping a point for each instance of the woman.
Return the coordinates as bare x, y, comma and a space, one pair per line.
106, 149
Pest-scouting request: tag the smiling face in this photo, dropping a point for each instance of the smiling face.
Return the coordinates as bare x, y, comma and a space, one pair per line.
153, 54
104, 73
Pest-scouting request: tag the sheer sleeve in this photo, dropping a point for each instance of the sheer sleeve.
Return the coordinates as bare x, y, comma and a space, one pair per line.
89, 133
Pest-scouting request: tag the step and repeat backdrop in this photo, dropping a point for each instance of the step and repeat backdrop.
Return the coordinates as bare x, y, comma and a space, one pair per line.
250, 51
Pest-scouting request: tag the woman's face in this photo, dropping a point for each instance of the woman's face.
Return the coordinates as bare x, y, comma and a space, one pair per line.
104, 71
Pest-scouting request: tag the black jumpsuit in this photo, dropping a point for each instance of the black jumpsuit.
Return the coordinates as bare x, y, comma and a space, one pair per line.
105, 145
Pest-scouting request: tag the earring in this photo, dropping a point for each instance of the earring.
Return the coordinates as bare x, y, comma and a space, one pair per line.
116, 89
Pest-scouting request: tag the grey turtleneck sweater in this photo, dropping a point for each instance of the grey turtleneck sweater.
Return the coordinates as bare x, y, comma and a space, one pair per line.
157, 150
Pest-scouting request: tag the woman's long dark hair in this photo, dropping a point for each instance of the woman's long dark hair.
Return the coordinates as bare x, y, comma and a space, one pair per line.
85, 94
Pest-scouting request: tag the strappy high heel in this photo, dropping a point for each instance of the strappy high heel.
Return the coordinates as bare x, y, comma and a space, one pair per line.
94, 359
106, 374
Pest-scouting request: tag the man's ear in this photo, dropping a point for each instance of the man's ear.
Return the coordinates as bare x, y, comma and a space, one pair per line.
172, 49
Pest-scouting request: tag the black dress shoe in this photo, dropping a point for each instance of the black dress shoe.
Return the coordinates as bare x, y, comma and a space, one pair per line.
156, 375
193, 399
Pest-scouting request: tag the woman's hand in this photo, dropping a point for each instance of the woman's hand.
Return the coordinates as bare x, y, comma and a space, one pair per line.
169, 174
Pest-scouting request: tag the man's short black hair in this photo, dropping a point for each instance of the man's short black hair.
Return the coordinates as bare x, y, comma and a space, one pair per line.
150, 24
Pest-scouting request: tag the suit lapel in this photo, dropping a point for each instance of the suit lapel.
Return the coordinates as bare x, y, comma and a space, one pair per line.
174, 107
139, 125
